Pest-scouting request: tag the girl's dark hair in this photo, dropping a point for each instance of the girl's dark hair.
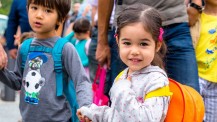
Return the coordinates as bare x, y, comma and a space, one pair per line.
81, 26
62, 6
152, 22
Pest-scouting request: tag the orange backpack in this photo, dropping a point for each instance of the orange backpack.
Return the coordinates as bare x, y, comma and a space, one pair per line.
186, 104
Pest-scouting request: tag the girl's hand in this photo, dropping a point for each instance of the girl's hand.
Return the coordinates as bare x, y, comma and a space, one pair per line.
81, 117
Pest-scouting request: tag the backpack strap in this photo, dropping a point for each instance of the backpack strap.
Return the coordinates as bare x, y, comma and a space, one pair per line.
69, 36
40, 49
164, 91
119, 75
57, 57
24, 50
161, 92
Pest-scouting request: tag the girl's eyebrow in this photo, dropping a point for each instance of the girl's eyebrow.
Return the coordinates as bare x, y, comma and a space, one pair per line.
145, 39
125, 39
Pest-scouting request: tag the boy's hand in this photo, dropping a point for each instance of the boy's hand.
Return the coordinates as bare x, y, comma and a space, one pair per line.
81, 117
3, 58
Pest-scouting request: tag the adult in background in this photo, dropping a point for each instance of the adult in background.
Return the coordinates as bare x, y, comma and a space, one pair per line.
17, 17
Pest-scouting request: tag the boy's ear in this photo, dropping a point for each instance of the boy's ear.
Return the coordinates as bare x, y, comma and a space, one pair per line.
158, 46
27, 9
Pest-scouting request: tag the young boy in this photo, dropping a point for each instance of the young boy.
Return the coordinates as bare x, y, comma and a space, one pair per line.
37, 81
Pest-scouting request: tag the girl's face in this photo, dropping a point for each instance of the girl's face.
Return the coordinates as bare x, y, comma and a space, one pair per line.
136, 47
43, 20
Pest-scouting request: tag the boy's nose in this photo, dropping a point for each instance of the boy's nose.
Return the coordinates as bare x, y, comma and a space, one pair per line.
39, 14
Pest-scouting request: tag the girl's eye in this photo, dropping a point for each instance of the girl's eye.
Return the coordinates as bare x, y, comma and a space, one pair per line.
126, 43
143, 44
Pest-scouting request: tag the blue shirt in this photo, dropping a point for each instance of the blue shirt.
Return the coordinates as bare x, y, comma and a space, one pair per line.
17, 16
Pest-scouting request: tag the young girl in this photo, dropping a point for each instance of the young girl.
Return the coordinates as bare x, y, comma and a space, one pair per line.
40, 98
204, 36
141, 48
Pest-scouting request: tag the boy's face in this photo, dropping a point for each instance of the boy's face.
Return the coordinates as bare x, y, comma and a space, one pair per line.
43, 20
81, 36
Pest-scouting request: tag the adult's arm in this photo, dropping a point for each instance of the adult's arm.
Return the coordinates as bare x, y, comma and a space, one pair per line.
193, 14
12, 26
103, 50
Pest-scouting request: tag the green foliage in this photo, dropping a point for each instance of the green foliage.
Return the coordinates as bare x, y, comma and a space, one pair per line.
5, 6
74, 1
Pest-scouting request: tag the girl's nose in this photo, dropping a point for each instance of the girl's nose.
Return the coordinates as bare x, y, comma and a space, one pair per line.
135, 50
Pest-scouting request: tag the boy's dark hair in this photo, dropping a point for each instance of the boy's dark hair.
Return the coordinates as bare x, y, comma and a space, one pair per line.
152, 22
81, 26
62, 6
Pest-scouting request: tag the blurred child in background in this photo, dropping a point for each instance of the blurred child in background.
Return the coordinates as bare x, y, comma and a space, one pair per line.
80, 38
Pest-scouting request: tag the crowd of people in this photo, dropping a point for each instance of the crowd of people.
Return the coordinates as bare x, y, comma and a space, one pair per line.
147, 41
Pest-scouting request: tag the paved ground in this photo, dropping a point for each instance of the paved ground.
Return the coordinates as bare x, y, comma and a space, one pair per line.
9, 111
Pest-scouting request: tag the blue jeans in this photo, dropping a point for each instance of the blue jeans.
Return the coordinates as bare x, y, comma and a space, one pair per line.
116, 64
180, 60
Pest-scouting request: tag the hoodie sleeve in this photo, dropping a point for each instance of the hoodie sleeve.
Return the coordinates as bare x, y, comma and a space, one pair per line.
12, 79
126, 107
133, 109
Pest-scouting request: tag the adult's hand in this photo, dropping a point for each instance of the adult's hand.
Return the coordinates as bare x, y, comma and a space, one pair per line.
103, 54
13, 53
3, 58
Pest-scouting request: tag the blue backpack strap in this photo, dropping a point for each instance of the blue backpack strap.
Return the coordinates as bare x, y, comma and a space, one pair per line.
57, 57
80, 47
62, 83
69, 36
40, 49
24, 50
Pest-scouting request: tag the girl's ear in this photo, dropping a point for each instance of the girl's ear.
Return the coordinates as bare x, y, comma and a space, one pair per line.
116, 37
158, 46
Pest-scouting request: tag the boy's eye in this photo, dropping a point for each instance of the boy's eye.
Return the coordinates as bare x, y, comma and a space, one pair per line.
48, 11
33, 7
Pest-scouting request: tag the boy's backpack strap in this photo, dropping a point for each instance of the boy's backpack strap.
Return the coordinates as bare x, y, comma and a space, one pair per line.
40, 49
24, 50
57, 57
62, 83
69, 36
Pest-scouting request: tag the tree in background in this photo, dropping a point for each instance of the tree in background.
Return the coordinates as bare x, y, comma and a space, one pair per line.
5, 6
